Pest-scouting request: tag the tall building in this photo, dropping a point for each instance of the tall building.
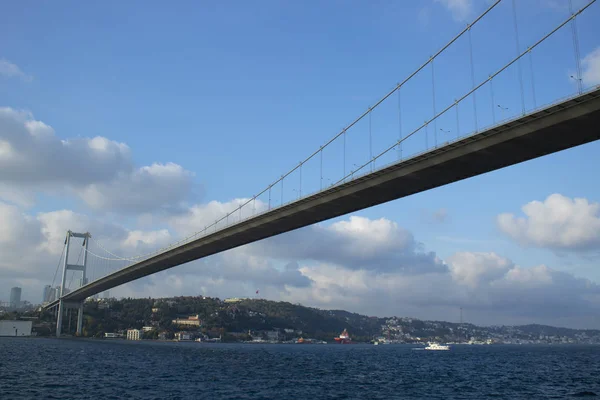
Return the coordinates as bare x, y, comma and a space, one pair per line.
65, 291
48, 292
106, 294
15, 297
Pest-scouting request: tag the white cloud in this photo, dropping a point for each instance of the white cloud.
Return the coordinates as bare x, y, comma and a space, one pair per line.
369, 266
376, 268
17, 231
54, 226
358, 243
153, 239
202, 215
143, 190
590, 68
558, 223
34, 155
536, 276
31, 246
10, 70
461, 10
229, 274
471, 269
500, 293
98, 170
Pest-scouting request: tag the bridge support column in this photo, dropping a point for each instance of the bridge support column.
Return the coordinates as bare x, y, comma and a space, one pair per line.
63, 290
59, 318
62, 286
80, 319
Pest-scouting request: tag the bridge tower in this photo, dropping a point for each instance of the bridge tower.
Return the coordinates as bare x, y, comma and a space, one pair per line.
62, 305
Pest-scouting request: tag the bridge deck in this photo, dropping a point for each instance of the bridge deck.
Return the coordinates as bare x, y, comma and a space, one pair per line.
568, 124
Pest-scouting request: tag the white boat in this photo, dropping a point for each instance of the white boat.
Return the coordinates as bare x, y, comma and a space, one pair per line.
436, 346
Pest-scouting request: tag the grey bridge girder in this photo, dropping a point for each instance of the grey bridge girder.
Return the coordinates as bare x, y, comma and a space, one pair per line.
555, 128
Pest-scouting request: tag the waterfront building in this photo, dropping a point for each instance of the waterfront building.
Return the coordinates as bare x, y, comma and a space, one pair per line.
15, 328
134, 334
192, 320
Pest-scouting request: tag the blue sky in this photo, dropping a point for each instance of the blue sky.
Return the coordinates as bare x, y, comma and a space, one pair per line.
238, 93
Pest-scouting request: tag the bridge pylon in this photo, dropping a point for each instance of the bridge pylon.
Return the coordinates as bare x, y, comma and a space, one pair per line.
73, 267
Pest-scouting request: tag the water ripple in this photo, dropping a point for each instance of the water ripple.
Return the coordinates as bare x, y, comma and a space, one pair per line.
34, 368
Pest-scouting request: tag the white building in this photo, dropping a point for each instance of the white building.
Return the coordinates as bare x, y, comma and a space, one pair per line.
192, 320
182, 336
134, 334
235, 299
15, 328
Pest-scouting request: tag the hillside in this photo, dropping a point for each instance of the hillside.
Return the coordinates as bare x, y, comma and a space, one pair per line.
250, 318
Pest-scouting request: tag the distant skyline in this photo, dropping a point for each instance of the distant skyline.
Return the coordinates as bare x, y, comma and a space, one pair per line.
142, 123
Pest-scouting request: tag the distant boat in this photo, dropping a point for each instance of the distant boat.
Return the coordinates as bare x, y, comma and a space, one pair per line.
344, 338
436, 346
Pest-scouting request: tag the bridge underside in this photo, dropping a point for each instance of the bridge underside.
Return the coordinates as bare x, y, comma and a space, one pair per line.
556, 128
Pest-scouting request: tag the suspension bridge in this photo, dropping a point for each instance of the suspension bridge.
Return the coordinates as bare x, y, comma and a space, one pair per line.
414, 161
